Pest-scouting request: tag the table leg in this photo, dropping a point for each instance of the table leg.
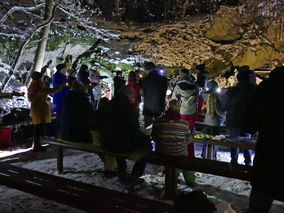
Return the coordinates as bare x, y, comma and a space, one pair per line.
59, 160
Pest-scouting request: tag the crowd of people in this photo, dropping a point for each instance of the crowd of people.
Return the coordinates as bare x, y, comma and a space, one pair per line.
246, 109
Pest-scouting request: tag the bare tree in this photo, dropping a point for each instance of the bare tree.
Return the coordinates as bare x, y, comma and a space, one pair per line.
44, 36
24, 44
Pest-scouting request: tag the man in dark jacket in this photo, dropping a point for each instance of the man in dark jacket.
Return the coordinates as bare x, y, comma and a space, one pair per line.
121, 132
58, 79
76, 114
118, 81
154, 89
83, 75
235, 102
265, 115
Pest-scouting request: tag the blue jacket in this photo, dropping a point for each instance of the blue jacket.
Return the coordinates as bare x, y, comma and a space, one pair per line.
58, 97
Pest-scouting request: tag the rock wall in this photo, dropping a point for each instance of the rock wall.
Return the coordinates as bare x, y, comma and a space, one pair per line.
234, 36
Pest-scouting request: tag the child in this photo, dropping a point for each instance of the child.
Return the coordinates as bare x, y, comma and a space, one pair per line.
171, 135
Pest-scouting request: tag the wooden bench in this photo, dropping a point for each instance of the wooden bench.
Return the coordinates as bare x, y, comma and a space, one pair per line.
226, 143
79, 195
171, 163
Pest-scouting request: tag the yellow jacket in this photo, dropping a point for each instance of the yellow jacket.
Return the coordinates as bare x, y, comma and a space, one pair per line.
40, 111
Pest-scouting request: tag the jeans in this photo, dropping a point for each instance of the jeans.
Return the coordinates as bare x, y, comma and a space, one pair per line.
235, 132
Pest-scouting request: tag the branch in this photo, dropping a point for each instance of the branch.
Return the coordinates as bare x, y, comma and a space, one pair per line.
24, 44
87, 53
17, 8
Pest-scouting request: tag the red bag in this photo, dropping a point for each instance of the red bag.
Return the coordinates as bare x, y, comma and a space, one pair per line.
6, 138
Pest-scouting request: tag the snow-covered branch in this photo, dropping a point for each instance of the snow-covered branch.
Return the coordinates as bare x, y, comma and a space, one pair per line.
79, 14
17, 8
26, 41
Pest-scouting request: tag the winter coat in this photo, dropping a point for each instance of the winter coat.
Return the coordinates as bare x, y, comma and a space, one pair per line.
186, 91
265, 115
171, 133
215, 114
154, 90
58, 97
40, 110
120, 132
236, 101
75, 117
83, 77
137, 87
118, 83
96, 90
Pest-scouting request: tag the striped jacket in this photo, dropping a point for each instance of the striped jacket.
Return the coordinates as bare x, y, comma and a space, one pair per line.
171, 134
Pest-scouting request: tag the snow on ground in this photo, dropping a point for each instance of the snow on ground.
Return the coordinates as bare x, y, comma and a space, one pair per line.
88, 168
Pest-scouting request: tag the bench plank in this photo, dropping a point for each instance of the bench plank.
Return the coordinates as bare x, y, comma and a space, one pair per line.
79, 195
171, 163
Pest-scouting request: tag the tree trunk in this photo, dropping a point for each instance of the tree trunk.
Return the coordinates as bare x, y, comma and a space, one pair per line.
39, 56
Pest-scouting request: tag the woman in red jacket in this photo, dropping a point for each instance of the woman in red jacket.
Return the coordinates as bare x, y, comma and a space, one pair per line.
132, 81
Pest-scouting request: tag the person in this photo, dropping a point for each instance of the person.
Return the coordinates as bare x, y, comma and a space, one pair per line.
202, 79
264, 114
193, 202
186, 91
132, 81
118, 82
171, 134
236, 100
120, 133
154, 90
83, 75
40, 111
95, 90
71, 76
96, 129
76, 114
58, 97
215, 114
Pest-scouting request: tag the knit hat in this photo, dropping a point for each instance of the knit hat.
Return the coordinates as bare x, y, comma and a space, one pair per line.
246, 76
200, 67
212, 85
36, 75
174, 105
150, 66
277, 73
60, 67
118, 73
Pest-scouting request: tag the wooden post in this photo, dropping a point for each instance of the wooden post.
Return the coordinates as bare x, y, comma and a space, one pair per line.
170, 183
59, 160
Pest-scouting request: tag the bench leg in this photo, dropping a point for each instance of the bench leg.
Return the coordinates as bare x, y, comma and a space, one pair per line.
170, 183
59, 160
